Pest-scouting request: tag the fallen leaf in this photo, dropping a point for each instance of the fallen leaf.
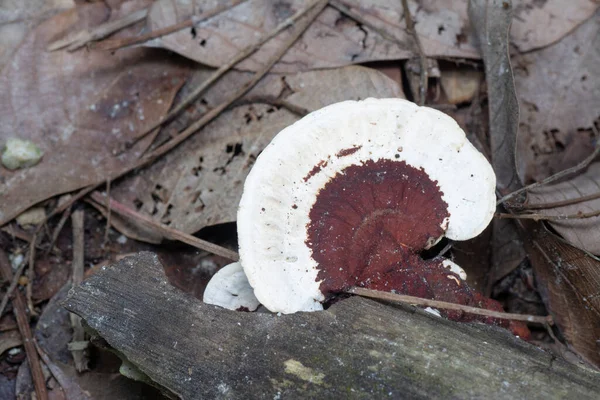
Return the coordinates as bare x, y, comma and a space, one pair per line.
569, 281
201, 183
336, 40
559, 88
18, 18
540, 23
77, 107
491, 22
333, 40
583, 233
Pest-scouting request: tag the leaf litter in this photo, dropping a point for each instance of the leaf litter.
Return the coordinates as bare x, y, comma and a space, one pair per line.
81, 106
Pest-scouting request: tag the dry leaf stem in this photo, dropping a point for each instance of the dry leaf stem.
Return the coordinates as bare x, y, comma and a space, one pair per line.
77, 220
31, 273
116, 44
84, 37
241, 55
422, 59
542, 217
20, 311
164, 230
57, 230
13, 284
562, 203
376, 294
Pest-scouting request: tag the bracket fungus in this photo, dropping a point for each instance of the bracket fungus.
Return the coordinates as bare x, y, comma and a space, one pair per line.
229, 288
351, 194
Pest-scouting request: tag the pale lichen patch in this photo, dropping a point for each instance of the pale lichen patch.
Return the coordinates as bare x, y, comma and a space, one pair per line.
296, 368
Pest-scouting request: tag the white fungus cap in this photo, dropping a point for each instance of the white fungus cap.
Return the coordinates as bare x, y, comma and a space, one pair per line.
229, 288
282, 187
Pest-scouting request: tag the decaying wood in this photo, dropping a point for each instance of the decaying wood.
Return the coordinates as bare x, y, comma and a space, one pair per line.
358, 348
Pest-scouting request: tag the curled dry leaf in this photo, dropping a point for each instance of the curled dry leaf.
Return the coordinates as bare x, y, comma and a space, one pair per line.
559, 88
582, 233
77, 107
200, 184
569, 281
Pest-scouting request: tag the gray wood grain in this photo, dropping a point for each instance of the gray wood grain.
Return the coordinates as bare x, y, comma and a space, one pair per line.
356, 349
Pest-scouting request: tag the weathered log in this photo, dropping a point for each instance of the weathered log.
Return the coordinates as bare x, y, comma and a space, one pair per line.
356, 349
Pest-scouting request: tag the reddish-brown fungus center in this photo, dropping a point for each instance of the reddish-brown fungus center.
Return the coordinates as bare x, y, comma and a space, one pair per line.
369, 219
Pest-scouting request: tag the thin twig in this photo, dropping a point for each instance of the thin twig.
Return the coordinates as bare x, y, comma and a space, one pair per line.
82, 38
562, 203
77, 220
583, 164
69, 385
345, 9
212, 114
116, 44
20, 311
108, 215
422, 59
244, 53
13, 285
164, 230
376, 294
31, 275
542, 217
57, 230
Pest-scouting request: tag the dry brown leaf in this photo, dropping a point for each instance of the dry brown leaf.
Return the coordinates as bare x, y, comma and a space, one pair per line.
540, 23
200, 184
569, 281
582, 233
558, 90
77, 107
18, 18
491, 21
333, 40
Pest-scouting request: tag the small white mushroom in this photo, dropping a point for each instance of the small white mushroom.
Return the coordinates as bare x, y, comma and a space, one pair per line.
229, 288
351, 194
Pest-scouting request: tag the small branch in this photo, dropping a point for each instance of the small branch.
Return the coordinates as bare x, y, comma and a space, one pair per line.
20, 311
31, 274
82, 38
542, 217
108, 215
69, 385
164, 230
376, 294
562, 203
244, 53
77, 220
116, 44
583, 164
13, 285
58, 229
422, 59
